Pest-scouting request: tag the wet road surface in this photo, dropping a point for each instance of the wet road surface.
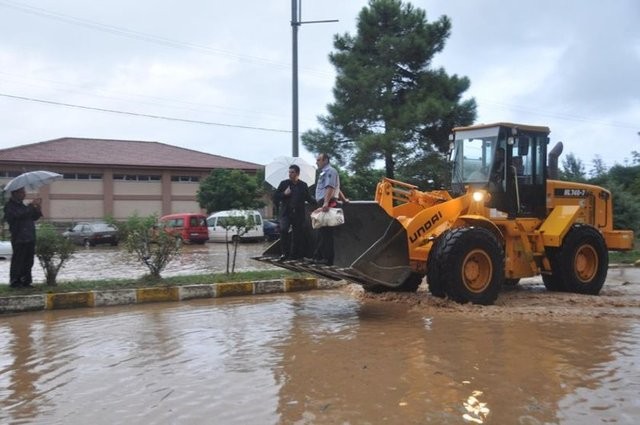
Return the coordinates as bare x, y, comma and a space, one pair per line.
325, 357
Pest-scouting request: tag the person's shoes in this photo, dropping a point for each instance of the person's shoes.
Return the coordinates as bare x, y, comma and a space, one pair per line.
15, 285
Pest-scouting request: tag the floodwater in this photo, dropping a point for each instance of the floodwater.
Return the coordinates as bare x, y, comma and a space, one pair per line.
321, 357
106, 262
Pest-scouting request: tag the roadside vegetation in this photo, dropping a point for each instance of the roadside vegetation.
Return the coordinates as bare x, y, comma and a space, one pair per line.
147, 281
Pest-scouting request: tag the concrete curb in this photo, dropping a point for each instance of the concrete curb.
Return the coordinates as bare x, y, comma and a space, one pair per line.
112, 297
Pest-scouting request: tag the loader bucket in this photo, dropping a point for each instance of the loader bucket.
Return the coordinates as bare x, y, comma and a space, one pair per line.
370, 248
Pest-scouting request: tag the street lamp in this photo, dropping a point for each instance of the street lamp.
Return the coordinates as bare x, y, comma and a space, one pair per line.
296, 16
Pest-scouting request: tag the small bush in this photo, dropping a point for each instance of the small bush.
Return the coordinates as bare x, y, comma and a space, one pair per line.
52, 250
151, 245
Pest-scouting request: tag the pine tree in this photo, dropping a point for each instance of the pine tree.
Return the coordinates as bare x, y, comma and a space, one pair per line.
390, 104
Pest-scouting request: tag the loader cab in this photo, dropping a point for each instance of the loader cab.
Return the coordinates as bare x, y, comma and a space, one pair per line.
508, 160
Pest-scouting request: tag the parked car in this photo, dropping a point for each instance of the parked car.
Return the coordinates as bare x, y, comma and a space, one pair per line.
91, 234
6, 251
271, 229
218, 233
186, 227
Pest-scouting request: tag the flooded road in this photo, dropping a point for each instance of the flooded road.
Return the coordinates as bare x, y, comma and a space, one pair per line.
106, 262
324, 357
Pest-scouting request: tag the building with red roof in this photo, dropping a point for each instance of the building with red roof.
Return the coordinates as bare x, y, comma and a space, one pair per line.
115, 178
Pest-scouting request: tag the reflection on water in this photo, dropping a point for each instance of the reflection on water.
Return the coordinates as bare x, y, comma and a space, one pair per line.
308, 358
106, 262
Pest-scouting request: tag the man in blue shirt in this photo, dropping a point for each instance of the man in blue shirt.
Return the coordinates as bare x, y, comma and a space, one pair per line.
327, 194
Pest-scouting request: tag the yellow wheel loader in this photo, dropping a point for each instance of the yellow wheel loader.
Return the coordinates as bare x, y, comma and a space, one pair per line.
504, 218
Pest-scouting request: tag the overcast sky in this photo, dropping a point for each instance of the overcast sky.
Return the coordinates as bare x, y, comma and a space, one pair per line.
219, 72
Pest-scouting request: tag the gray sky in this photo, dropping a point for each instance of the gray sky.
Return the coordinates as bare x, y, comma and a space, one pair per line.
572, 65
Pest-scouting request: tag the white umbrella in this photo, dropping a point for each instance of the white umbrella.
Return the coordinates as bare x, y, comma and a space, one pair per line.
278, 170
32, 180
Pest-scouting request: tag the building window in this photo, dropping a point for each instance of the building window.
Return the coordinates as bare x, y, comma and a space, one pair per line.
81, 176
137, 177
9, 173
189, 179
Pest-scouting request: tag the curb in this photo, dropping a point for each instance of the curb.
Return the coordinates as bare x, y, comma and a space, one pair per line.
113, 297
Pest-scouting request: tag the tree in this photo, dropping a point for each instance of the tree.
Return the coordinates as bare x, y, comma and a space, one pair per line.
572, 169
53, 250
598, 168
151, 245
390, 105
227, 190
238, 225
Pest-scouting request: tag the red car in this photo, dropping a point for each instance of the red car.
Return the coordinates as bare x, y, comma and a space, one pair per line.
186, 227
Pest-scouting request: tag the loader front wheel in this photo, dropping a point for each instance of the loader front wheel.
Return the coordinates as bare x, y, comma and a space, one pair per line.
471, 266
582, 261
436, 284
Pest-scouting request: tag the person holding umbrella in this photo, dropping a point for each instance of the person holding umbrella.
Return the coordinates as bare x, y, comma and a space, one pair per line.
21, 219
292, 194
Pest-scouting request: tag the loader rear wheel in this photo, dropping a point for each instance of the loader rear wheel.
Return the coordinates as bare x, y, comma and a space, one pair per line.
582, 262
410, 284
471, 265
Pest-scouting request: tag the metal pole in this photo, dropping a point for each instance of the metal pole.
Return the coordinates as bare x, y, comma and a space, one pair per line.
295, 23
296, 17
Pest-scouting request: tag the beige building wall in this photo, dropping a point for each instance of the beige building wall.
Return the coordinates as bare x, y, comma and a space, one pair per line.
75, 209
110, 192
124, 209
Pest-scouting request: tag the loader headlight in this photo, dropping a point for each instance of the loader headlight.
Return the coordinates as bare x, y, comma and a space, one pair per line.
478, 196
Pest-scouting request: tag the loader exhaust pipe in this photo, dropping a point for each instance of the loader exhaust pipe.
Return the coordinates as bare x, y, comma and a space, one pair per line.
552, 167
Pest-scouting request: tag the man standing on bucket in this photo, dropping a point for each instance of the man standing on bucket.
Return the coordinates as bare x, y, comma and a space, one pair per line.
292, 194
327, 194
21, 219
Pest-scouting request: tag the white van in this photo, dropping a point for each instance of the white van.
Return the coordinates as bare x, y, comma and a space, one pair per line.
217, 233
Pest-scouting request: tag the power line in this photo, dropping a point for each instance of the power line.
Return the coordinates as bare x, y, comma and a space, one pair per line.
161, 117
151, 38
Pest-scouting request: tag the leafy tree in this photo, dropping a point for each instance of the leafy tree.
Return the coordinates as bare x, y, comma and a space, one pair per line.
598, 168
572, 169
227, 190
238, 226
390, 104
151, 245
53, 250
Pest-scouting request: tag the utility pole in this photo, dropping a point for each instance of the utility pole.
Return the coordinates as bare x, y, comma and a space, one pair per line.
296, 16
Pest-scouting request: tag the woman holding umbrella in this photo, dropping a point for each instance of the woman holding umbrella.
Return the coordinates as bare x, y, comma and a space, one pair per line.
21, 219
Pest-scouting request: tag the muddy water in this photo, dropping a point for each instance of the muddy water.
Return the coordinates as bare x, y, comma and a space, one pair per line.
106, 262
325, 357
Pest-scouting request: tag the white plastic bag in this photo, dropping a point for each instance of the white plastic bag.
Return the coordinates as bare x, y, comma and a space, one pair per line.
333, 217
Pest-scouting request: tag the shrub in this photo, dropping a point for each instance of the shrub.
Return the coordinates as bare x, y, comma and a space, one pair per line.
52, 250
152, 246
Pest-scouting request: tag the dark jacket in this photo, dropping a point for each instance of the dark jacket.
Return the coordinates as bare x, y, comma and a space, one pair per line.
21, 219
293, 205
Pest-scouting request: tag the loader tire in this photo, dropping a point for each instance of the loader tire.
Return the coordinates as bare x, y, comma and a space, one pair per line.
436, 285
582, 262
410, 284
471, 265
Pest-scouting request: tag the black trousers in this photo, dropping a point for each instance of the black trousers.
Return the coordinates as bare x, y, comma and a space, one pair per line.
324, 247
21, 263
292, 243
